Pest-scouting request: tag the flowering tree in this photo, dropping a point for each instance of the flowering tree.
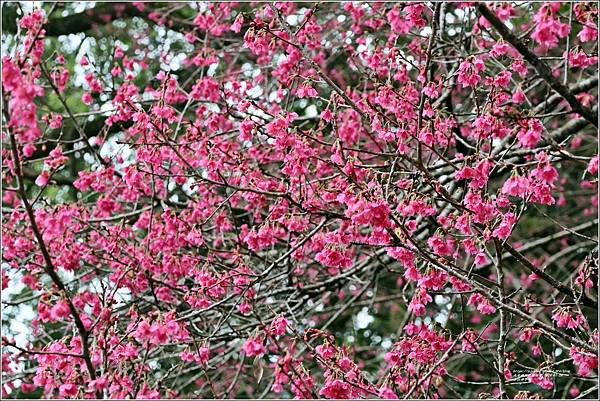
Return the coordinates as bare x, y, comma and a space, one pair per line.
311, 200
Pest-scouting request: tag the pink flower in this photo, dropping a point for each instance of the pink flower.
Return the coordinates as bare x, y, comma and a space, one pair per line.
334, 257
418, 302
245, 308
430, 91
159, 334
60, 310
306, 90
116, 70
363, 212
166, 113
469, 341
505, 228
187, 356
327, 115
441, 246
29, 149
87, 98
502, 79
334, 253
206, 89
99, 383
541, 380
203, 354
60, 76
253, 347
397, 21
56, 158
427, 137
434, 279
42, 179
483, 304
245, 129
592, 167
93, 82
499, 48
387, 393
564, 318
586, 362
325, 350
336, 390
518, 96
517, 186
528, 333
68, 390
56, 121
544, 171
32, 21
480, 258
263, 238
279, 325
530, 135
588, 33
468, 72
548, 29
237, 24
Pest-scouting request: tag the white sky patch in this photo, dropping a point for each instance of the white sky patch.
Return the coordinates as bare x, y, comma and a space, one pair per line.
255, 111
107, 107
276, 97
188, 186
311, 111
147, 96
281, 59
177, 61
247, 69
441, 300
213, 107
442, 317
292, 19
212, 69
363, 319
113, 149
426, 31
255, 92
23, 314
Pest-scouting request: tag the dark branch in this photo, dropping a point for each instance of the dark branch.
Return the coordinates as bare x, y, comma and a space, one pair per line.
88, 19
542, 68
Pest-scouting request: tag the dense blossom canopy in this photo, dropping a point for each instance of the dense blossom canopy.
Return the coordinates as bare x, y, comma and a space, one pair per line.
310, 200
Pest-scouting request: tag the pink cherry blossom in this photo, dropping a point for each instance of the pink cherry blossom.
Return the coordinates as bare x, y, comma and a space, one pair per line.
253, 347
350, 200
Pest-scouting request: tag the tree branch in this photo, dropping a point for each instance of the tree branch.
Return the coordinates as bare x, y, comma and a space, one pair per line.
86, 20
542, 68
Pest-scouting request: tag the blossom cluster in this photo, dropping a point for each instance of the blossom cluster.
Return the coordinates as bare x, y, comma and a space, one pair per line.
285, 199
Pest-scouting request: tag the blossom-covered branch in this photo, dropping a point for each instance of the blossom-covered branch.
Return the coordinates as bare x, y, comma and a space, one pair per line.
300, 200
